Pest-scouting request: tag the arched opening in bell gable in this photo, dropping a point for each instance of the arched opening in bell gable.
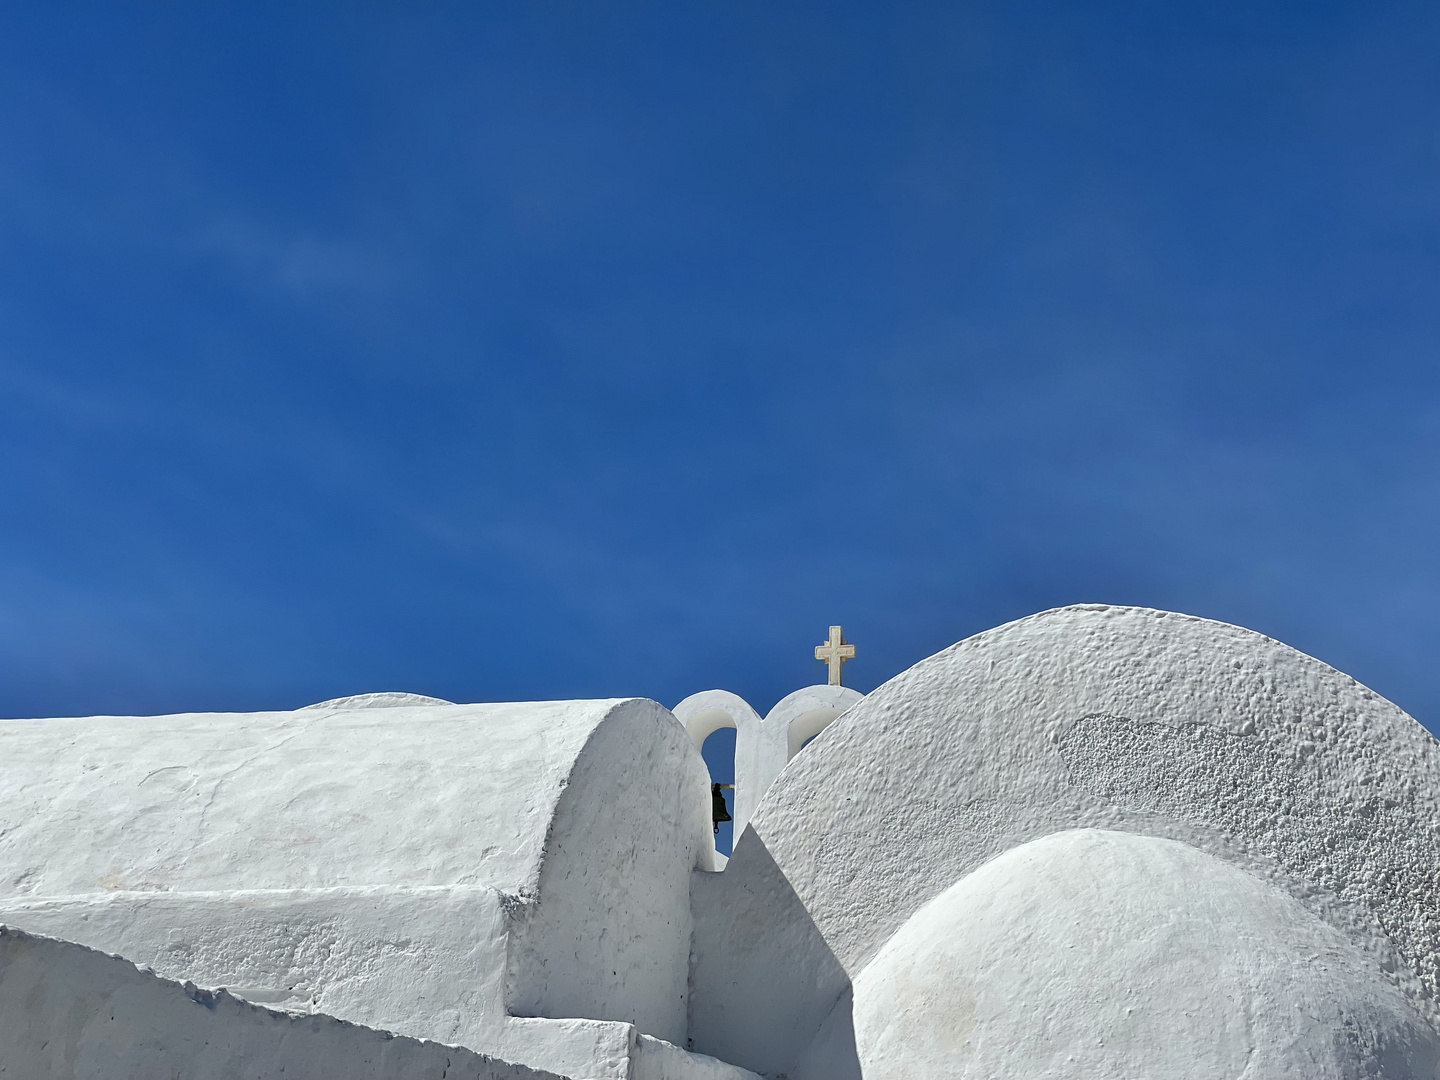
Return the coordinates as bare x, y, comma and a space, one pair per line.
718, 751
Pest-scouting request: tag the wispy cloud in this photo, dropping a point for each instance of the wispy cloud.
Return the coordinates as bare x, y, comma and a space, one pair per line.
302, 264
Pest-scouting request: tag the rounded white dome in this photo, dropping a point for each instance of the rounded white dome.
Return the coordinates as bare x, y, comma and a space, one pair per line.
384, 699
1105, 954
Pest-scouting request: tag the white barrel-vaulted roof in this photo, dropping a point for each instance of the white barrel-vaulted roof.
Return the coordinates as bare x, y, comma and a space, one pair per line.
437, 870
317, 798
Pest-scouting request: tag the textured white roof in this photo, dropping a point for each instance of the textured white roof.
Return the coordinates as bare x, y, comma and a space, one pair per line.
1127, 718
320, 797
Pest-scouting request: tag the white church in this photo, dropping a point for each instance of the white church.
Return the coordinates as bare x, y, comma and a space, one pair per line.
1096, 842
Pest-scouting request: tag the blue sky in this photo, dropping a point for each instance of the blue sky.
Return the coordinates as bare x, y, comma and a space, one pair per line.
556, 350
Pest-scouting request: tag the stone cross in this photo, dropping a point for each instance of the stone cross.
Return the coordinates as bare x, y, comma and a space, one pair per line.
834, 652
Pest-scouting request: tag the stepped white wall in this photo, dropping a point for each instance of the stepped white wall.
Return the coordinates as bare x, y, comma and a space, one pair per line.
427, 869
71, 1013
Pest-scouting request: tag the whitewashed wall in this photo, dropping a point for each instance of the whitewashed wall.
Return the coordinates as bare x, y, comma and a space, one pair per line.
71, 1013
434, 870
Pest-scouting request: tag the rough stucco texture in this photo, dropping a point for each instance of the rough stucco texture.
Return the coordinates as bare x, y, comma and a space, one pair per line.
425, 795
610, 935
426, 962
1126, 717
425, 869
1103, 954
70, 1013
1116, 718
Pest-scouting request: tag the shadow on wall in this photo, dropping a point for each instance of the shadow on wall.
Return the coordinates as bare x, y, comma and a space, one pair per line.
766, 992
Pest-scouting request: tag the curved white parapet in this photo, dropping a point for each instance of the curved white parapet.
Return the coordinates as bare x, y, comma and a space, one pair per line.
762, 747
707, 712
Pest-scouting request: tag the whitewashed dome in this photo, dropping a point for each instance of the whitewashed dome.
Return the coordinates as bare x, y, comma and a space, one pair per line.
1106, 954
1121, 719
384, 699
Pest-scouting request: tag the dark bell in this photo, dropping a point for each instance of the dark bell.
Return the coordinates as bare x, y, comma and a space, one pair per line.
718, 812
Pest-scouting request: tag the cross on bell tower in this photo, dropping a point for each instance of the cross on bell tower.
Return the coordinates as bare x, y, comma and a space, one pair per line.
834, 652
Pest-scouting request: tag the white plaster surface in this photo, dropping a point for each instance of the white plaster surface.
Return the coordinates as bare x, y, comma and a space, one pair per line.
659, 1060
796, 717
71, 1013
578, 1048
1110, 955
318, 798
762, 978
384, 699
426, 868
1173, 808
762, 747
427, 961
707, 712
68, 1012
610, 936
1123, 719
